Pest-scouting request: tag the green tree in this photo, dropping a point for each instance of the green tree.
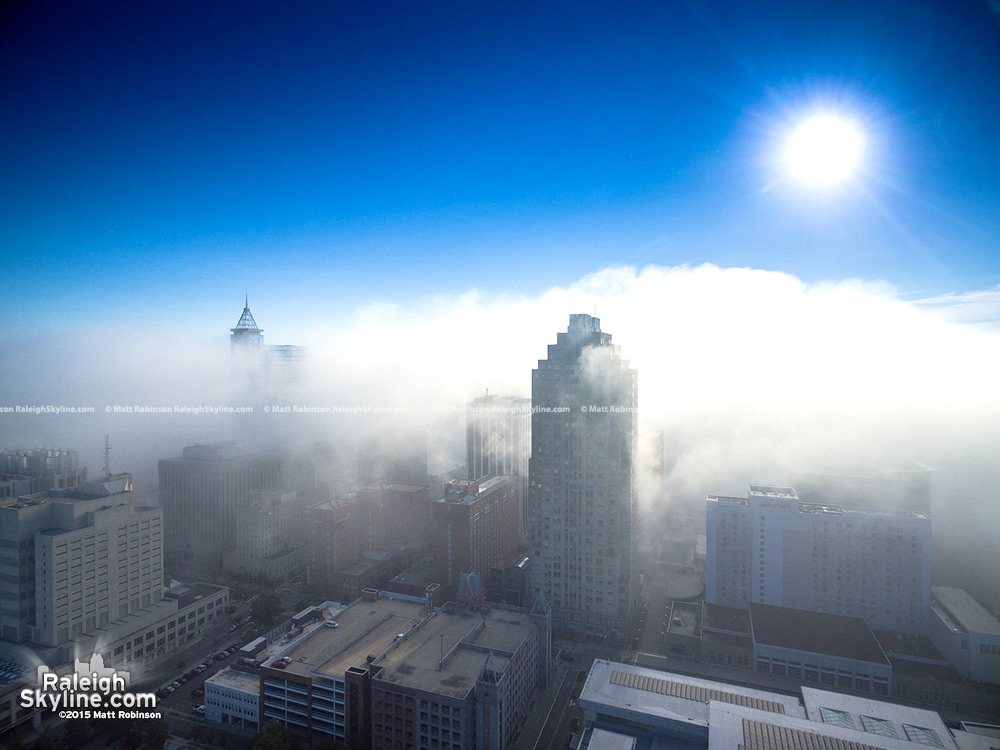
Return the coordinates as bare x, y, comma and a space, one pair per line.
47, 740
75, 733
273, 736
266, 607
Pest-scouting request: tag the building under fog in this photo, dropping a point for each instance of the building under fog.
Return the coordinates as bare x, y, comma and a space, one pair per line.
581, 499
23, 472
906, 487
498, 443
772, 548
202, 494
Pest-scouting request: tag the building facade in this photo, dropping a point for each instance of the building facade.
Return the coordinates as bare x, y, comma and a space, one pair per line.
967, 635
581, 498
771, 548
270, 536
202, 493
76, 559
498, 443
474, 527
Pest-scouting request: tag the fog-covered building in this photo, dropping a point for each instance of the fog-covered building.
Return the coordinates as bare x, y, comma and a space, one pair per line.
772, 548
581, 498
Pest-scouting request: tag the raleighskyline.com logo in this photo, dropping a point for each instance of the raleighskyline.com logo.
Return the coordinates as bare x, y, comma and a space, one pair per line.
93, 691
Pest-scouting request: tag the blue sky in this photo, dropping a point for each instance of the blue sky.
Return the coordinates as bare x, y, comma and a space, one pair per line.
161, 159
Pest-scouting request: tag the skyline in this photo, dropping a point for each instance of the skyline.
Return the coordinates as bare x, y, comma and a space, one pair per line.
324, 159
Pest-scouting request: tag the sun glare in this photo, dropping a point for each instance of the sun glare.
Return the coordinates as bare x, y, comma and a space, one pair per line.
824, 149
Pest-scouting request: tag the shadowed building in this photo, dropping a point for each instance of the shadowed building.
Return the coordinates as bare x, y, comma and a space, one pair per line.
474, 528
202, 493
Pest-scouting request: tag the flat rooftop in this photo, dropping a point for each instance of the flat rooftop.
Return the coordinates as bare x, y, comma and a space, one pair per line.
684, 618
731, 619
188, 595
235, 680
960, 611
363, 628
915, 725
464, 638
742, 728
655, 697
815, 632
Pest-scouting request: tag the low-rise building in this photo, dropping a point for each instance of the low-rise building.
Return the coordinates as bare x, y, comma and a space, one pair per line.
232, 696
966, 634
389, 663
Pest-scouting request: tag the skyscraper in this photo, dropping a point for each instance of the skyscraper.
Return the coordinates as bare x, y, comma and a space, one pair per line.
498, 443
202, 492
772, 548
581, 501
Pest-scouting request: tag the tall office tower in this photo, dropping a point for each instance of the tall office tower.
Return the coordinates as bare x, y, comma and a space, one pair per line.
772, 548
581, 501
201, 493
82, 558
263, 376
474, 528
498, 443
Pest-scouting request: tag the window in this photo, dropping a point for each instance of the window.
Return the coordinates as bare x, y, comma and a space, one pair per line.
922, 735
837, 717
879, 726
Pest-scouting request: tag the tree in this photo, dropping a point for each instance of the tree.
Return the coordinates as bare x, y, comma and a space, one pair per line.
273, 736
47, 741
75, 733
266, 607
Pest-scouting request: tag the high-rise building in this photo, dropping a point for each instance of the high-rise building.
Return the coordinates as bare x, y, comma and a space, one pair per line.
581, 500
498, 443
474, 528
201, 493
771, 548
80, 559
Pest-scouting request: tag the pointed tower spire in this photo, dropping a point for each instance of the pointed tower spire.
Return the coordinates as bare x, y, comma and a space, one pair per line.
491, 671
246, 333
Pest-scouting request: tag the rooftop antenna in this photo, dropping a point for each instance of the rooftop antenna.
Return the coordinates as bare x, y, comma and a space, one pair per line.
107, 456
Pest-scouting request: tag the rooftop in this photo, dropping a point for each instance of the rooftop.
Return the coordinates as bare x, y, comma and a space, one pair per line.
738, 727
464, 638
602, 739
235, 680
656, 696
188, 595
815, 632
363, 628
730, 619
869, 715
961, 612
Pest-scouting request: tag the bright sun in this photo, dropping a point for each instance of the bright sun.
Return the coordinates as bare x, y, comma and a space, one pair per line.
824, 149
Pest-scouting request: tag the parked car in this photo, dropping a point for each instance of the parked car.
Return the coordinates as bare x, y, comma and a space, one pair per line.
199, 709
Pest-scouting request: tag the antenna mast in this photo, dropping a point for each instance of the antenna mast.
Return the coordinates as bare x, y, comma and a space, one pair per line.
107, 456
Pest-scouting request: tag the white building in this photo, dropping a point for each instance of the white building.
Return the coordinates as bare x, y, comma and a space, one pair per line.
966, 634
771, 548
581, 498
233, 697
75, 560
